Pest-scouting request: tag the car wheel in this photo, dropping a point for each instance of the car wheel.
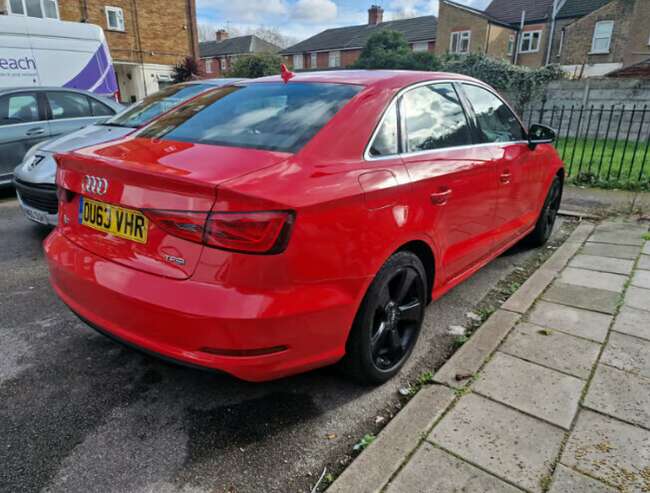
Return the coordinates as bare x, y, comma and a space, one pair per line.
388, 323
544, 227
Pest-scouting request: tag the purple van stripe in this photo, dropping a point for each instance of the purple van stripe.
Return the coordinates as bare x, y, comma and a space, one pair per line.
92, 73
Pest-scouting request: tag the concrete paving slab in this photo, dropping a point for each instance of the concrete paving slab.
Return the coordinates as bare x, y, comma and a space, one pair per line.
566, 480
598, 300
633, 321
544, 393
574, 242
627, 353
432, 469
471, 356
621, 226
529, 291
613, 251
602, 264
646, 248
638, 298
574, 321
401, 436
553, 349
593, 279
641, 279
620, 237
610, 450
505, 442
644, 262
620, 394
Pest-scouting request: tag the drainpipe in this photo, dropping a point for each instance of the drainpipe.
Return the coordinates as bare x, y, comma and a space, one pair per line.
551, 34
518, 37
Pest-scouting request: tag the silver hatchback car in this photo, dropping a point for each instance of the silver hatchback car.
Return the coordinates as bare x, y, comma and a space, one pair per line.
34, 114
34, 178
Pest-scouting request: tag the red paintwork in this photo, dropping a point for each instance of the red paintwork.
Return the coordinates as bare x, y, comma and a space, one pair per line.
466, 205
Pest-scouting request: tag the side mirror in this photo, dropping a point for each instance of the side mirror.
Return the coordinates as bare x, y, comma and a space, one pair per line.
540, 134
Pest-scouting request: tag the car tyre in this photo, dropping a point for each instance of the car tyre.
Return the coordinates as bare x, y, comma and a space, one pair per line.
544, 226
388, 322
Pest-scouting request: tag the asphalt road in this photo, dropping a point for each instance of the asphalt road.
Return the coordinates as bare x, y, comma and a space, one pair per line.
79, 413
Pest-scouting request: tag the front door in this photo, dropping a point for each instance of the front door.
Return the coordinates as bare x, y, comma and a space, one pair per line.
70, 111
453, 180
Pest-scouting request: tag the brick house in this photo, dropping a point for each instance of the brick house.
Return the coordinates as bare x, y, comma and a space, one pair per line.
146, 38
586, 37
340, 47
217, 56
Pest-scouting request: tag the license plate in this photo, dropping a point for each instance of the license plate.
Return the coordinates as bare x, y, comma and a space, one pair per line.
39, 217
118, 221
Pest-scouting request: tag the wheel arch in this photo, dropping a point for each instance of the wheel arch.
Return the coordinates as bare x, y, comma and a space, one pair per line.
425, 253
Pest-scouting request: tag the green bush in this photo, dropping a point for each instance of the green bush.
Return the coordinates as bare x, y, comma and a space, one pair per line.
253, 66
389, 50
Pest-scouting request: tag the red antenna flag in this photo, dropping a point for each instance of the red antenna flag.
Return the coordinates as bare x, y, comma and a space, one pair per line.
285, 73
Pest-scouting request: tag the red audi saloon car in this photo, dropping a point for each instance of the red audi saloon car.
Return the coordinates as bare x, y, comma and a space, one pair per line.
272, 227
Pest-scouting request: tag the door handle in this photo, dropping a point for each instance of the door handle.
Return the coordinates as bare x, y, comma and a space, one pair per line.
505, 177
442, 197
35, 131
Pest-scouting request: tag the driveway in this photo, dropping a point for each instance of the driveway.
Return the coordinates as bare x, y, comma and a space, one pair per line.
80, 413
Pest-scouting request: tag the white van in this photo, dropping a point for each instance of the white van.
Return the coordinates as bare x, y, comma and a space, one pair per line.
47, 52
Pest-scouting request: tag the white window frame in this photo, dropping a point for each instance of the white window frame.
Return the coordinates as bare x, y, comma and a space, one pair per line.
334, 59
313, 60
462, 36
119, 16
530, 35
420, 46
512, 40
208, 65
596, 36
298, 61
223, 64
42, 2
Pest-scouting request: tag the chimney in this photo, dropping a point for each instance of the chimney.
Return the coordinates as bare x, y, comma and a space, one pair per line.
221, 34
375, 15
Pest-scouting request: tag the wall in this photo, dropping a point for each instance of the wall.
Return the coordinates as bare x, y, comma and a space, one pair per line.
450, 19
498, 39
638, 47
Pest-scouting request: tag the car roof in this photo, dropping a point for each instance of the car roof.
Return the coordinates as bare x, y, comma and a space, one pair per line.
223, 81
384, 78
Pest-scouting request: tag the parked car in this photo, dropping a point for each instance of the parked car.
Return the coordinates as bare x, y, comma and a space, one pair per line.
31, 115
34, 177
269, 228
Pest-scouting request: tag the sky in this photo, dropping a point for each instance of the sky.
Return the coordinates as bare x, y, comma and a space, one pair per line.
303, 18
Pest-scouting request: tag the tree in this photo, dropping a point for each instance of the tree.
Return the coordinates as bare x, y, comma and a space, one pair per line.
267, 33
389, 50
186, 70
257, 65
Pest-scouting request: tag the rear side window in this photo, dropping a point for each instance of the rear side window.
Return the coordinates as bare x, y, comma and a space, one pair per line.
435, 119
18, 108
386, 140
496, 122
271, 116
100, 109
68, 105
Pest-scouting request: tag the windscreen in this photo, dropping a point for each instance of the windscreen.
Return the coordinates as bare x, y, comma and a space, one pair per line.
271, 116
142, 112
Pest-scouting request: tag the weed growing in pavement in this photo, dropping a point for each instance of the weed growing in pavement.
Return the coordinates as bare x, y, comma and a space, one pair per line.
646, 236
545, 482
545, 332
362, 444
459, 341
462, 391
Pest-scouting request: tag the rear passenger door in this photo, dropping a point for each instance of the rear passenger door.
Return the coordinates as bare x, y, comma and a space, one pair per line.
453, 180
519, 177
69, 111
22, 125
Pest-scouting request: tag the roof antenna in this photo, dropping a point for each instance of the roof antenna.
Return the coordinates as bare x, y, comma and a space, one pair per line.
285, 73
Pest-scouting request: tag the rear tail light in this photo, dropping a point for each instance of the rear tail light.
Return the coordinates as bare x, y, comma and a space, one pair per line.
260, 232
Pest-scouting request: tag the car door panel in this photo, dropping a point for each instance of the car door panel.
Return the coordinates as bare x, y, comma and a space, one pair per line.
69, 111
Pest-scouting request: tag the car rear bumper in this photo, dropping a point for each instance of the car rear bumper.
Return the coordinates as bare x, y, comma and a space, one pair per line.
303, 327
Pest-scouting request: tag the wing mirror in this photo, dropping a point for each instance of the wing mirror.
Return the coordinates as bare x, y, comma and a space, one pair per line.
540, 134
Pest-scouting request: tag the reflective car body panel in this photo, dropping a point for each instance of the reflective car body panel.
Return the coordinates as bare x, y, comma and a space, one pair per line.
260, 316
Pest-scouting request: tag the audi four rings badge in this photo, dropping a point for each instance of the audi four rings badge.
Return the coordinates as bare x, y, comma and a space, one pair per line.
94, 184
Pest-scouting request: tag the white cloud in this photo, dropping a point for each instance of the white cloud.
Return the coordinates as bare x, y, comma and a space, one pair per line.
314, 11
243, 11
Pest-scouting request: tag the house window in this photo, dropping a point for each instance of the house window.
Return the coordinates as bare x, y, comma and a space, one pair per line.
297, 61
114, 18
43, 9
530, 41
223, 64
421, 46
511, 44
313, 60
335, 59
602, 37
208, 66
459, 43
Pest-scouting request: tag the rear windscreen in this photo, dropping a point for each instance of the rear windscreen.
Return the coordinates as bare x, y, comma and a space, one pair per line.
271, 116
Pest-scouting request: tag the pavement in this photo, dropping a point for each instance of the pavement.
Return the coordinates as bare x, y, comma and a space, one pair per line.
551, 394
80, 413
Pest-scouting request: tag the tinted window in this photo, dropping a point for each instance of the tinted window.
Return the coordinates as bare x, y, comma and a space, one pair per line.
68, 105
150, 107
497, 123
100, 109
18, 108
434, 118
272, 116
385, 142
